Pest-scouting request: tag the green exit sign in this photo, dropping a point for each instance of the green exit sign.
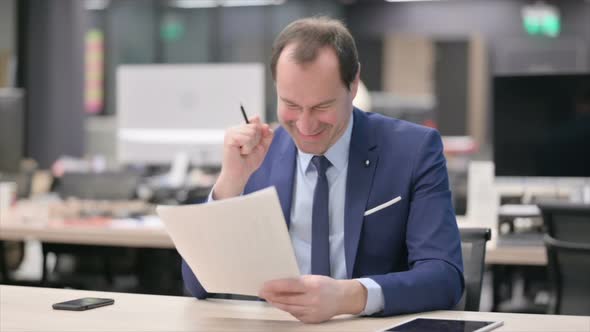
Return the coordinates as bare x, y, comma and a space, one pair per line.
541, 19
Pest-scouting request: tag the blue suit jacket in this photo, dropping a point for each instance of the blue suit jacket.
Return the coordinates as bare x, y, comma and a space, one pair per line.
411, 249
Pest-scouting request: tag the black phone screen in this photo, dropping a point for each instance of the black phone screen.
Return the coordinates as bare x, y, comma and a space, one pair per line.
83, 303
441, 325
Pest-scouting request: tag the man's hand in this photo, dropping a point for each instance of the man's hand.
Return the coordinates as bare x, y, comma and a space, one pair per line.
315, 299
244, 149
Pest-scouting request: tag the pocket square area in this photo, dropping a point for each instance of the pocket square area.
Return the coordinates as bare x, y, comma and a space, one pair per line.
383, 206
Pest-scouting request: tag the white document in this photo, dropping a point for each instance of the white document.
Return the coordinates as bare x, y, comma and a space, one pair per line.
234, 245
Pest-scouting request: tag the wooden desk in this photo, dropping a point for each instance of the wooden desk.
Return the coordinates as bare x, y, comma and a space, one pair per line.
508, 255
29, 309
516, 255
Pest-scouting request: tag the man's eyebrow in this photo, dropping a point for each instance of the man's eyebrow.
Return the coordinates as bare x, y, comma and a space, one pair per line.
288, 101
325, 102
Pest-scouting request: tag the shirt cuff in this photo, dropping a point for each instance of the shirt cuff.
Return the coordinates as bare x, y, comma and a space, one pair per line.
211, 199
375, 301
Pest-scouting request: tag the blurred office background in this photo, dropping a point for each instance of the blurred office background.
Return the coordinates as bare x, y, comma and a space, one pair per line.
78, 79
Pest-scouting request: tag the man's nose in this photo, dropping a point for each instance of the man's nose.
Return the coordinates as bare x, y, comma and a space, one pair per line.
306, 123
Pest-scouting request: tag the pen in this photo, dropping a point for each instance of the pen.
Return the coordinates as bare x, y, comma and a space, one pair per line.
244, 113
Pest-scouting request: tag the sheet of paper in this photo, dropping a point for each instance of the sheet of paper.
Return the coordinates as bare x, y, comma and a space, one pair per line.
233, 245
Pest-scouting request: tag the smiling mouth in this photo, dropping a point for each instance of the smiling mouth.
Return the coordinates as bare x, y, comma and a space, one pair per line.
312, 136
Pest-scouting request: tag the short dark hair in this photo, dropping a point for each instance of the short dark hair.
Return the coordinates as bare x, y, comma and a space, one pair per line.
311, 34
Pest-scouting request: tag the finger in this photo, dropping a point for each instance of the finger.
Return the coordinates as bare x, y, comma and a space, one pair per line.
267, 140
247, 149
266, 130
255, 119
245, 138
239, 140
290, 285
260, 151
301, 299
294, 310
253, 130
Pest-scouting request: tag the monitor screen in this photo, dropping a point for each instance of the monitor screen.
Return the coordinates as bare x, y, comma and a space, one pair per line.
167, 109
542, 125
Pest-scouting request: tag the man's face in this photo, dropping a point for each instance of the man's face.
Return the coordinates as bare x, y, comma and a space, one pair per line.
314, 106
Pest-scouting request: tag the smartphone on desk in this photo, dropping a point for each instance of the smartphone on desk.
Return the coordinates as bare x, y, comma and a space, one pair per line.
85, 303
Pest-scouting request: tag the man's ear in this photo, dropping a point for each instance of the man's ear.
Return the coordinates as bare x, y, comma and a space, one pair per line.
354, 85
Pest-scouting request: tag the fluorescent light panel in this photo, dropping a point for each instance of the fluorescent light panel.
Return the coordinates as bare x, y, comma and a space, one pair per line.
243, 3
194, 4
408, 0
223, 3
96, 4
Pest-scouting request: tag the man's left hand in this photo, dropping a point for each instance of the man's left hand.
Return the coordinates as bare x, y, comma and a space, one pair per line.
314, 298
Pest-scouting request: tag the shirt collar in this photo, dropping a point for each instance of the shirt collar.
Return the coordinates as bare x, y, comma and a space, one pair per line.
337, 154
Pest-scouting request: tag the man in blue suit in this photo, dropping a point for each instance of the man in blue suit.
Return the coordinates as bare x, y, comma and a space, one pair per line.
366, 197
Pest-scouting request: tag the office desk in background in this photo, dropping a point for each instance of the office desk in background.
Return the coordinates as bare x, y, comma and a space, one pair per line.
153, 263
150, 235
124, 233
507, 264
29, 309
500, 254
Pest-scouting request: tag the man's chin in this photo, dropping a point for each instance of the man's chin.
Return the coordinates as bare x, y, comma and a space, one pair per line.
311, 148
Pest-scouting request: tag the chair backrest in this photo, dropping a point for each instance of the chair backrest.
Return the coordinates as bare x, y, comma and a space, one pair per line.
569, 272
473, 248
106, 185
566, 221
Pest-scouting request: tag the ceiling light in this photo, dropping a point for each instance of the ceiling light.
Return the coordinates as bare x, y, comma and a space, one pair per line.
408, 0
96, 4
189, 4
243, 3
223, 3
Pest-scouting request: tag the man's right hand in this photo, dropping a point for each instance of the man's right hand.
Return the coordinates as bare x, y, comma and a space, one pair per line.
244, 149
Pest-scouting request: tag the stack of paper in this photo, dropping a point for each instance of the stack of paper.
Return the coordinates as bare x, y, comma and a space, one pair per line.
234, 245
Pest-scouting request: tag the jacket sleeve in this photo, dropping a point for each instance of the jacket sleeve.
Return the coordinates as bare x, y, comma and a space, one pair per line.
434, 280
191, 282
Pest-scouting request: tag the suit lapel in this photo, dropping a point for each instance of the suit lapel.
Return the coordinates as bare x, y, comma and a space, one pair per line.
358, 184
283, 174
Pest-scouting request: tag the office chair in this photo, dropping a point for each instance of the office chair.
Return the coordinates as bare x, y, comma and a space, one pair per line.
569, 268
567, 239
473, 248
567, 221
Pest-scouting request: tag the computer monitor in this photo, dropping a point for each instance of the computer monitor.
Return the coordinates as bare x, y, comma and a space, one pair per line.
542, 125
11, 130
164, 109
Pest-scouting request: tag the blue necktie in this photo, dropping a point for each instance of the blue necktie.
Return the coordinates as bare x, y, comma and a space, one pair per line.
320, 228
